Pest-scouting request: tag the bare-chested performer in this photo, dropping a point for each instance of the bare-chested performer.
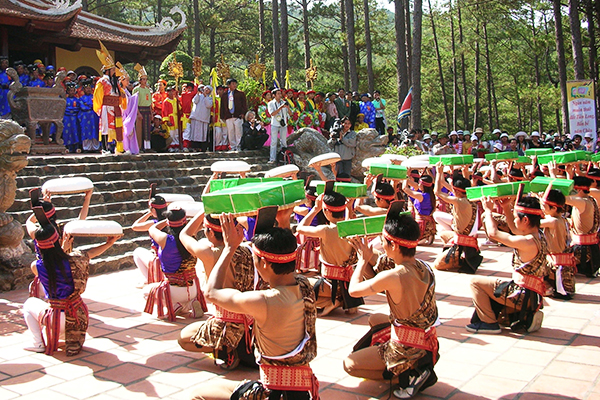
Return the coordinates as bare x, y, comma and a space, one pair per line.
226, 334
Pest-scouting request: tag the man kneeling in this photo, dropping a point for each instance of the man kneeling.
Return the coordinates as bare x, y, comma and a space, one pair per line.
518, 301
284, 317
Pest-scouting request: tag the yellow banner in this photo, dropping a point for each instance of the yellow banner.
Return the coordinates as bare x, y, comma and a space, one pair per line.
580, 90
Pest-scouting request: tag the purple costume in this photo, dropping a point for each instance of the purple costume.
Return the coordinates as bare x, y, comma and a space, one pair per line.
64, 284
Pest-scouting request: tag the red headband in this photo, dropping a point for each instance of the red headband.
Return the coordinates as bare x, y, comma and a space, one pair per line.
311, 197
157, 206
457, 189
553, 204
426, 184
388, 197
579, 187
214, 227
50, 212
274, 258
530, 211
411, 244
48, 243
334, 208
176, 224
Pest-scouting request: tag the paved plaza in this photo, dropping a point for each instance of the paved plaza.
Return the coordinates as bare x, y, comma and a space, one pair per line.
132, 355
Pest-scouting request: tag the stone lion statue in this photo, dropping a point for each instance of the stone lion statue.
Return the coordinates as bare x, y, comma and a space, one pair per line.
308, 143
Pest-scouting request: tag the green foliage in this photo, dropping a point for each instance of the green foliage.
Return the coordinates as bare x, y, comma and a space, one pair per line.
187, 63
403, 151
253, 90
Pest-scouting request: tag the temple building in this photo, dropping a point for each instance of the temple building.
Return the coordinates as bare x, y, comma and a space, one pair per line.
64, 35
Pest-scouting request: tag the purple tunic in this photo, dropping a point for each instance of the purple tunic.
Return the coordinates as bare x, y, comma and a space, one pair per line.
300, 217
170, 259
64, 284
423, 207
249, 233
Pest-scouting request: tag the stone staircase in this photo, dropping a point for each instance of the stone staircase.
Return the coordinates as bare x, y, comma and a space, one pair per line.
121, 185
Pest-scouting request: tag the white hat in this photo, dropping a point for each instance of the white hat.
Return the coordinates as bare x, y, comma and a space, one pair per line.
459, 132
467, 133
589, 134
434, 133
504, 135
474, 137
548, 137
521, 133
498, 146
535, 133
453, 133
426, 136
496, 131
556, 134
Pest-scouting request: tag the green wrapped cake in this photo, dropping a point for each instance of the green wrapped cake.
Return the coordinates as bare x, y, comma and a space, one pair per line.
497, 190
367, 226
560, 158
523, 160
540, 183
502, 156
350, 190
452, 159
538, 152
220, 184
248, 198
389, 171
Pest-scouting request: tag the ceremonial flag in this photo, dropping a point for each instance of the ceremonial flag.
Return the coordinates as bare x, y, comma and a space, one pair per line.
275, 81
214, 82
406, 105
287, 80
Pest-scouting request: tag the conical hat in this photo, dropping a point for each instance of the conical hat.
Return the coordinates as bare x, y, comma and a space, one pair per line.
105, 57
141, 71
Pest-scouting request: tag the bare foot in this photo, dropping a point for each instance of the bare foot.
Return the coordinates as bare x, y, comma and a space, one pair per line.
327, 310
352, 311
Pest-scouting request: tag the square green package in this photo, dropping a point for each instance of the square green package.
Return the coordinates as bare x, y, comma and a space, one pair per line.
523, 160
497, 190
220, 184
595, 157
582, 155
367, 226
560, 158
350, 190
540, 183
502, 156
389, 171
452, 159
538, 152
246, 199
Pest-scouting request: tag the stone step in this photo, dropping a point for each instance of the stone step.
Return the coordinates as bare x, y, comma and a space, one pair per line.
78, 168
119, 262
88, 158
121, 246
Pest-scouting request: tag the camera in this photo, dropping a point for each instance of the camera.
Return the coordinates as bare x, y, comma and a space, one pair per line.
336, 133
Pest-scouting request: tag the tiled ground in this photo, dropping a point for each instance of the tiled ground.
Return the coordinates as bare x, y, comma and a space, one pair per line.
130, 355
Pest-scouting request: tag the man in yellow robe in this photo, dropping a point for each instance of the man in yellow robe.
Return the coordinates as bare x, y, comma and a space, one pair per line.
109, 99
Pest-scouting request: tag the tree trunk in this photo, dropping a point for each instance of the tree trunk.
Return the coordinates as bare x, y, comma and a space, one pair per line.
518, 98
276, 42
476, 110
576, 39
212, 47
351, 45
401, 57
196, 28
284, 40
562, 68
306, 34
261, 29
190, 34
538, 78
415, 114
439, 62
463, 69
158, 10
408, 39
489, 79
593, 51
455, 95
344, 45
370, 75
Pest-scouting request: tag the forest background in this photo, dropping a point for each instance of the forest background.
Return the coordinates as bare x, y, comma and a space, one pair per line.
471, 63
